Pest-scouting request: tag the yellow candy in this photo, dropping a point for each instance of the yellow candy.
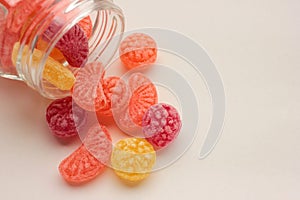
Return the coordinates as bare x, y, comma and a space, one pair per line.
54, 72
133, 159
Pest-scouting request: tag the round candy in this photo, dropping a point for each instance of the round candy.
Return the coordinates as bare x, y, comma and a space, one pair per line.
86, 25
85, 163
64, 118
161, 125
138, 49
133, 159
73, 45
87, 91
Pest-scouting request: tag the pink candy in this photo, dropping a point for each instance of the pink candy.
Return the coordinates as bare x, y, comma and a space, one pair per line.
161, 125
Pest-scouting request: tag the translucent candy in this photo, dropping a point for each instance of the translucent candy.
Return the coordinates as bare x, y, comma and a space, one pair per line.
133, 159
18, 14
99, 143
138, 49
54, 72
87, 91
108, 86
136, 80
55, 54
142, 98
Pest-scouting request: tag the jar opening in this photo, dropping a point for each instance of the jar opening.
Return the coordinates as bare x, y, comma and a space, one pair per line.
37, 61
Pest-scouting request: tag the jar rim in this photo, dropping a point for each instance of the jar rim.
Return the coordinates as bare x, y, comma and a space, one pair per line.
33, 75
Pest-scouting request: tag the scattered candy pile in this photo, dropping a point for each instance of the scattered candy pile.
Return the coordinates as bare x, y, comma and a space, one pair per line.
132, 103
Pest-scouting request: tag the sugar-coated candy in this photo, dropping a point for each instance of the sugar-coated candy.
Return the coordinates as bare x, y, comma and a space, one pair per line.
54, 72
161, 125
136, 80
88, 91
142, 98
64, 117
120, 97
140, 93
73, 45
87, 26
82, 166
138, 49
108, 86
99, 143
133, 159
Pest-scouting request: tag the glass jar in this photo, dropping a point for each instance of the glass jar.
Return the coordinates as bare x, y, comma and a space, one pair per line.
23, 27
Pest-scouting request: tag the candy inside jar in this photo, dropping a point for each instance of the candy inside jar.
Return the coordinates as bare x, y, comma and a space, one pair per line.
45, 42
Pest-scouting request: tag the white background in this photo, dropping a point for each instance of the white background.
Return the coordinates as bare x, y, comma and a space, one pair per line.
255, 46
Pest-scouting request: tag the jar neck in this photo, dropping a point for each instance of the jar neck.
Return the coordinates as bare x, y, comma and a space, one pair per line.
108, 26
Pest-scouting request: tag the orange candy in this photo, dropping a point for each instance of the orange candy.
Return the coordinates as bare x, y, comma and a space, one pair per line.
85, 164
109, 85
80, 167
138, 49
87, 26
55, 54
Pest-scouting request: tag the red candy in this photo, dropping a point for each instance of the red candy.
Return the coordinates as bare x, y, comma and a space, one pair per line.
85, 164
86, 25
73, 45
142, 99
65, 118
87, 91
161, 125
138, 49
